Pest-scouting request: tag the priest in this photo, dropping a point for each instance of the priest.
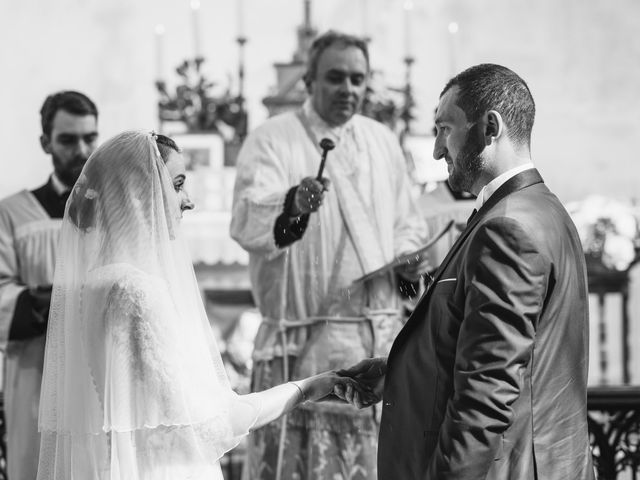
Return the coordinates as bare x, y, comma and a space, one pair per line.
312, 234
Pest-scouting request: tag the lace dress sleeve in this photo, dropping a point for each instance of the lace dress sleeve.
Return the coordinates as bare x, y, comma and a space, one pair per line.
163, 408
141, 356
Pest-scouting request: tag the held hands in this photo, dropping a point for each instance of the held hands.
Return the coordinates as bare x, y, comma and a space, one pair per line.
309, 195
369, 377
318, 387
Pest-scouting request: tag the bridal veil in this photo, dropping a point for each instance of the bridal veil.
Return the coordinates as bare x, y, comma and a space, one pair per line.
134, 386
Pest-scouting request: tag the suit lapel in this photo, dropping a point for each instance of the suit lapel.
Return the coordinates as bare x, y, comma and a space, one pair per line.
515, 183
518, 182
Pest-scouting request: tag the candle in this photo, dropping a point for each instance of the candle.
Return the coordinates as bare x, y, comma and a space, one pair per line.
240, 18
365, 20
408, 7
159, 51
195, 20
453, 30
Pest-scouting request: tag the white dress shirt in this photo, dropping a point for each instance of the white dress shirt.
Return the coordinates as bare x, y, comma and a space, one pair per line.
490, 188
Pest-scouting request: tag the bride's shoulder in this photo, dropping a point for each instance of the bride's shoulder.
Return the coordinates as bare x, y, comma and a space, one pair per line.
128, 284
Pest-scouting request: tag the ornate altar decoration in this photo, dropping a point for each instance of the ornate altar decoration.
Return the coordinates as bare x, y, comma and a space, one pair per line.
610, 234
209, 123
195, 105
388, 105
614, 428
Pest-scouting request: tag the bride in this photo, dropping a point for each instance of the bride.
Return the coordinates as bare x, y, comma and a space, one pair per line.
134, 386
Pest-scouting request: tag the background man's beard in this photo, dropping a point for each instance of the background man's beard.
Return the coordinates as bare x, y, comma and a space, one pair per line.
470, 162
68, 174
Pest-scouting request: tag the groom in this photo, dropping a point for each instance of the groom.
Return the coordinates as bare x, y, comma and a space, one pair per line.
487, 380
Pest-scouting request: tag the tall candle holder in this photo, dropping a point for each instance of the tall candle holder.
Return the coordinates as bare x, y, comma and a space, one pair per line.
406, 114
195, 27
242, 125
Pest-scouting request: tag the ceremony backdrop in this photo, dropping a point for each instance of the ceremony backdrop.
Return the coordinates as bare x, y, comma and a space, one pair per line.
580, 58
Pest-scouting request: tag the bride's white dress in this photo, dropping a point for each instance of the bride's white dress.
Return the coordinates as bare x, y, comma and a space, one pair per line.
155, 413
134, 387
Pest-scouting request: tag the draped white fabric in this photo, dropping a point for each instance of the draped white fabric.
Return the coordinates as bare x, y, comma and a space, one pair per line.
300, 281
28, 246
134, 386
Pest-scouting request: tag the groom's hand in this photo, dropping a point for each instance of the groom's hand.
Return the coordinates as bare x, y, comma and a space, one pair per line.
369, 374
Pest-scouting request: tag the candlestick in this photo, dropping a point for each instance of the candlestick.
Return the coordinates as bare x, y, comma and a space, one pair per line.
408, 7
159, 30
453, 30
240, 14
195, 20
365, 20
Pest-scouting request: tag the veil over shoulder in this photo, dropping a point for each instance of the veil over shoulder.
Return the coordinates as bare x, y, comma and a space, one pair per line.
134, 386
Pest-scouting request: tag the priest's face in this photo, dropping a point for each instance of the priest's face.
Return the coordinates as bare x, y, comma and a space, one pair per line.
460, 143
72, 139
339, 84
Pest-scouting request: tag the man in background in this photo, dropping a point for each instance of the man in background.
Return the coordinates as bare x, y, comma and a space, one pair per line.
310, 239
29, 229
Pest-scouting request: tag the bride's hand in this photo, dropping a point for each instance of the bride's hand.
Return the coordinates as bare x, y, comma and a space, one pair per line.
322, 385
369, 375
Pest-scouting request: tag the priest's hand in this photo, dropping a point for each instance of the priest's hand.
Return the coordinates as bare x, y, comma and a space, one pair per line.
31, 313
309, 195
41, 298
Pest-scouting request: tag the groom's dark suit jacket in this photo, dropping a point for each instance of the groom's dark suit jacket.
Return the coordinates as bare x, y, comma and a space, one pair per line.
488, 378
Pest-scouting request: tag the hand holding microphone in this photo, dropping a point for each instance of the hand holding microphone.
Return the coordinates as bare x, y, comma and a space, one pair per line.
326, 145
310, 193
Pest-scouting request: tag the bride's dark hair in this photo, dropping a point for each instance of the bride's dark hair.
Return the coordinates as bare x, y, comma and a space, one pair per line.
166, 145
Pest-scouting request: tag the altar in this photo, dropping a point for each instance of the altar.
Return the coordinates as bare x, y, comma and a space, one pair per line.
613, 398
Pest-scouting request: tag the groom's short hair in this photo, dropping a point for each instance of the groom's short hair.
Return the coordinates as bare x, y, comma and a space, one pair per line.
487, 87
166, 145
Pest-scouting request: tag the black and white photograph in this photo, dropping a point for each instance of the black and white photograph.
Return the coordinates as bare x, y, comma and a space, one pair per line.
320, 240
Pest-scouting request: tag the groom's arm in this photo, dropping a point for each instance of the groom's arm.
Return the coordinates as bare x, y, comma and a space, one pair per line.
508, 279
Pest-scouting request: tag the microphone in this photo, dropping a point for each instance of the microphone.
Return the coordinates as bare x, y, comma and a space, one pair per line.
326, 145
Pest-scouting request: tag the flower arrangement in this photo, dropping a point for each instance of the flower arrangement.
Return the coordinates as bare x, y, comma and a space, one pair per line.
609, 231
387, 105
195, 104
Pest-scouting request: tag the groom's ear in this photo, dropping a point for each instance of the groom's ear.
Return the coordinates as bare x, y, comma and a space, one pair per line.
493, 126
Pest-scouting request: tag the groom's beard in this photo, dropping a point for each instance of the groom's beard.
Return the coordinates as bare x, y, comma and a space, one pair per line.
469, 163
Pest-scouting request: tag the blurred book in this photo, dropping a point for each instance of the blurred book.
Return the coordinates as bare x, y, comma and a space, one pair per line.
407, 258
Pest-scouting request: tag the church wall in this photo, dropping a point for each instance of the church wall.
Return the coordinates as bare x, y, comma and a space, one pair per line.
580, 58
